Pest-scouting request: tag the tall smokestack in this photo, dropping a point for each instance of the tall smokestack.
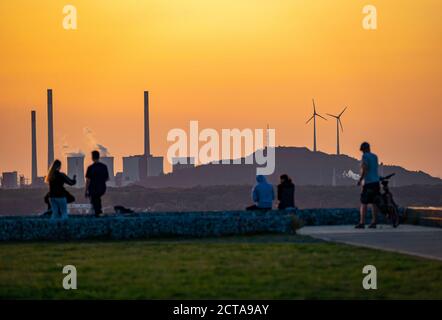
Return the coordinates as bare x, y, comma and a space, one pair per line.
50, 130
34, 146
146, 125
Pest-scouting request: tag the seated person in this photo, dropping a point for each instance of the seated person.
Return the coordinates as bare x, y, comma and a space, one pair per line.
262, 195
286, 193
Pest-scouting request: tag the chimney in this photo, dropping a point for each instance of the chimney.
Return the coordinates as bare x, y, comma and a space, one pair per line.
50, 130
146, 125
34, 146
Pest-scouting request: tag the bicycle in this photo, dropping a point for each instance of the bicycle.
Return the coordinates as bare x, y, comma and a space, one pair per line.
385, 202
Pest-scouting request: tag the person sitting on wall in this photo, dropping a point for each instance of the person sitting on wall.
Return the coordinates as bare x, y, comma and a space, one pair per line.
262, 195
286, 193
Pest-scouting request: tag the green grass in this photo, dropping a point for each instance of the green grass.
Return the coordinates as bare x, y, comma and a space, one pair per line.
260, 267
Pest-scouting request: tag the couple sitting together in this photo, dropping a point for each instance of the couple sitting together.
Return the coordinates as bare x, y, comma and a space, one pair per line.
263, 194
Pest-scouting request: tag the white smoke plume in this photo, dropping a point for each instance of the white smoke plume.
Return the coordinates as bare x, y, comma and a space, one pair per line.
66, 150
351, 175
93, 144
64, 146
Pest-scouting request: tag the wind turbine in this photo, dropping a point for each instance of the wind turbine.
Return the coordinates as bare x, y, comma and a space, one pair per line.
338, 123
315, 114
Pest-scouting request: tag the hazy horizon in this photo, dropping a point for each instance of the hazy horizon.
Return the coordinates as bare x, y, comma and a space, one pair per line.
227, 64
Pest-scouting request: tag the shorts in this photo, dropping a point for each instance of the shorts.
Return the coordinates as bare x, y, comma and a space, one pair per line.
369, 193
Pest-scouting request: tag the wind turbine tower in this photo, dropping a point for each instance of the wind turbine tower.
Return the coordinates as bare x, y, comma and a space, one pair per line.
338, 124
315, 114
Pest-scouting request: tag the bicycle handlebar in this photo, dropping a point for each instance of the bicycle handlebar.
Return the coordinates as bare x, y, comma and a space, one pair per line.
387, 177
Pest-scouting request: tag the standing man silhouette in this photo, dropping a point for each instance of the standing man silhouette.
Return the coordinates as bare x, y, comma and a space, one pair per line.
371, 188
96, 177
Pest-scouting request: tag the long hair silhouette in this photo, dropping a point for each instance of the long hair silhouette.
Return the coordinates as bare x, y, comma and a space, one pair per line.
56, 165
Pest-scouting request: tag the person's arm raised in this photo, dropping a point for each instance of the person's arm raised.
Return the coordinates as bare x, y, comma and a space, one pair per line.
70, 181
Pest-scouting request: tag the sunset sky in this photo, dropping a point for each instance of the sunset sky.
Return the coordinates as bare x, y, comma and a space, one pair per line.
228, 64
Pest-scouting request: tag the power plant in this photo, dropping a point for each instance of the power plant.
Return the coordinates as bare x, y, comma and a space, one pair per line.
10, 180
181, 163
109, 162
140, 167
132, 168
155, 166
76, 168
135, 168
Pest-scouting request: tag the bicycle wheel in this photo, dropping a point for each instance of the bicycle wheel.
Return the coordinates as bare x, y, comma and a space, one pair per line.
394, 216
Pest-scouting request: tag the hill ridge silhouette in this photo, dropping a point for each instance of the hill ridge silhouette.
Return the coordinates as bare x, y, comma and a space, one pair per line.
303, 165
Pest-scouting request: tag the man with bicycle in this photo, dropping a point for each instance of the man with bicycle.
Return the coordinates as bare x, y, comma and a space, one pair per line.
371, 187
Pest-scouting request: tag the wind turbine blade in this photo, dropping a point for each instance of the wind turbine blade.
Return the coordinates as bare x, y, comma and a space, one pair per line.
310, 119
340, 123
314, 106
342, 111
332, 115
321, 116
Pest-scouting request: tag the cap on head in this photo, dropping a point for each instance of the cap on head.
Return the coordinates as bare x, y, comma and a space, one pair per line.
365, 147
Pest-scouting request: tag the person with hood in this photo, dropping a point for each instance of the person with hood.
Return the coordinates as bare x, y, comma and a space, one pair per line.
262, 195
286, 193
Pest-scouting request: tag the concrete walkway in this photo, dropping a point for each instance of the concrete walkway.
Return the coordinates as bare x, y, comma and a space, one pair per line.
419, 241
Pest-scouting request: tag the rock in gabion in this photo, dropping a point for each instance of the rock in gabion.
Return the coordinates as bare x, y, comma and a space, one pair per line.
145, 225
171, 224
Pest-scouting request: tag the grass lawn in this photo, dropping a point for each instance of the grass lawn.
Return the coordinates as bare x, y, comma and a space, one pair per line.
256, 267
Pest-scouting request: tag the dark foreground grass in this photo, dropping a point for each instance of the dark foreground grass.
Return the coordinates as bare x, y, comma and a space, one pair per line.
265, 267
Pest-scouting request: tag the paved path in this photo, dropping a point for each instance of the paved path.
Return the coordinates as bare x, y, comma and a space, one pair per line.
419, 241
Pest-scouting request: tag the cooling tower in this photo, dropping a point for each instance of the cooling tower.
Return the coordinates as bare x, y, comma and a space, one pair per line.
76, 167
109, 162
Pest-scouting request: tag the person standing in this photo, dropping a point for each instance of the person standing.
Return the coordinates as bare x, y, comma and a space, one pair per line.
57, 193
371, 187
96, 177
286, 193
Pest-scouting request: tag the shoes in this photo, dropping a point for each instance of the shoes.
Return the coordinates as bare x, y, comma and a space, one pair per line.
360, 226
372, 226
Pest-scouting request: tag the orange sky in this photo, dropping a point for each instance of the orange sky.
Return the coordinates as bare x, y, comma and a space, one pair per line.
226, 63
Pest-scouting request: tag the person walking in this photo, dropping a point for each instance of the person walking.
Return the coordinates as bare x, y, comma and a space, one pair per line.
96, 177
57, 193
